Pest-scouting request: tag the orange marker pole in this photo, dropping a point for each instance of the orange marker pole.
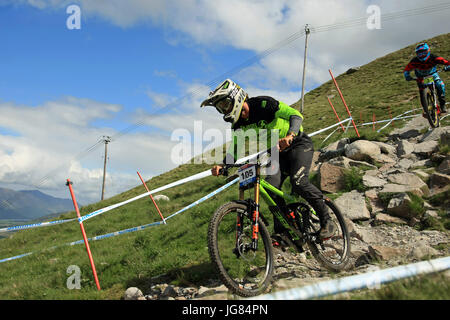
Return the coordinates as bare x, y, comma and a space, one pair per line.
373, 121
145, 185
339, 120
91, 260
390, 116
343, 100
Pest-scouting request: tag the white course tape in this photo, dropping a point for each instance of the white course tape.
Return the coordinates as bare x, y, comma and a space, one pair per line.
117, 233
381, 121
361, 281
35, 225
328, 128
170, 185
396, 118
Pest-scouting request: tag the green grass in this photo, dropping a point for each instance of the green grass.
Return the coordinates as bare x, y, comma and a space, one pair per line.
353, 180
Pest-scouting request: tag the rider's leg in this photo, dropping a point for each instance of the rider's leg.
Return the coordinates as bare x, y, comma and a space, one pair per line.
300, 159
440, 88
276, 179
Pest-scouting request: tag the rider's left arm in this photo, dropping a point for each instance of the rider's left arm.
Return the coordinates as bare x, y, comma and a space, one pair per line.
294, 116
440, 60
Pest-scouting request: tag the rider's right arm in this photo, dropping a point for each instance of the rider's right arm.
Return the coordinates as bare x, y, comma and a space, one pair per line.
407, 76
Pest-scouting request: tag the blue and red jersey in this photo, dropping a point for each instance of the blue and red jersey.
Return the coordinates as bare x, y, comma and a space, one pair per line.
424, 68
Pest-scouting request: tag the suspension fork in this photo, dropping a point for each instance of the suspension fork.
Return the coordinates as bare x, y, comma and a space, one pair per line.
255, 217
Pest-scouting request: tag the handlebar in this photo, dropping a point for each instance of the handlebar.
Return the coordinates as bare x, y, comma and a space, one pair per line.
224, 170
445, 69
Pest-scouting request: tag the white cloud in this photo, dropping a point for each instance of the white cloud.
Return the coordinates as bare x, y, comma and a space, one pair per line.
259, 25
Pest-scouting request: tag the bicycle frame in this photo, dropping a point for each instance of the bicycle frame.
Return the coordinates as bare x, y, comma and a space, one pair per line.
262, 187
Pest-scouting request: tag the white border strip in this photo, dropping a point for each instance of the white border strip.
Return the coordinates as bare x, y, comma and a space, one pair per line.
361, 281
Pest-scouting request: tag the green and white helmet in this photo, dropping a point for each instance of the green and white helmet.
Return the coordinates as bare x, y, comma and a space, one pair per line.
228, 98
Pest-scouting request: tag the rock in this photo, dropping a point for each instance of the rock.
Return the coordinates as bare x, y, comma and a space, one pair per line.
330, 154
400, 206
349, 163
331, 178
436, 134
353, 205
426, 148
410, 180
405, 163
422, 163
430, 213
161, 197
204, 291
385, 218
421, 174
445, 138
439, 181
365, 234
337, 145
376, 204
170, 291
385, 253
422, 250
398, 188
387, 149
373, 182
382, 158
404, 148
412, 133
352, 70
362, 150
133, 293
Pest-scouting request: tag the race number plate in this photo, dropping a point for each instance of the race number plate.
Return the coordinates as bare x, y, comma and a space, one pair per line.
428, 80
247, 176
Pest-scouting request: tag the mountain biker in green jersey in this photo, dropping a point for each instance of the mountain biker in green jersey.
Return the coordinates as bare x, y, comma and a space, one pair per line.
295, 147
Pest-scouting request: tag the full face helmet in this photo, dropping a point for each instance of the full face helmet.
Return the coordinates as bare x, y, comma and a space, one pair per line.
423, 52
228, 98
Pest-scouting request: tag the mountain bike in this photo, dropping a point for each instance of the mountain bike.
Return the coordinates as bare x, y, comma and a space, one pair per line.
429, 100
239, 242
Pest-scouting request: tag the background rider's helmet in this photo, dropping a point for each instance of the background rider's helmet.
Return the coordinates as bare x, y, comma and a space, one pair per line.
423, 52
228, 98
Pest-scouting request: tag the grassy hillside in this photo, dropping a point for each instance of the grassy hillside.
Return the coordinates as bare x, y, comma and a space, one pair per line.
371, 90
179, 248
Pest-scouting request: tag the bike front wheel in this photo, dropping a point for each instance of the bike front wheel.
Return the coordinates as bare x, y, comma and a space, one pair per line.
428, 101
244, 271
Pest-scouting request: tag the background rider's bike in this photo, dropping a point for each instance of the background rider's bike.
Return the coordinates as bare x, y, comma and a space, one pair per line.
240, 245
429, 100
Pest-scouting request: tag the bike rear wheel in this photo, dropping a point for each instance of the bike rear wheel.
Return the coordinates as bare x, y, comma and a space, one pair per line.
428, 101
332, 253
244, 271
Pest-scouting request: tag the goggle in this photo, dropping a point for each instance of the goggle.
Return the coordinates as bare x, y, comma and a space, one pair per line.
422, 53
224, 106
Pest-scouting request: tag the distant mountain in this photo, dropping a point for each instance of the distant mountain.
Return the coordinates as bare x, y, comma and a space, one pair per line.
30, 204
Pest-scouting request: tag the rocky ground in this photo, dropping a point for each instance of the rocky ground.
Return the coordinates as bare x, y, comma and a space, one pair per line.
387, 228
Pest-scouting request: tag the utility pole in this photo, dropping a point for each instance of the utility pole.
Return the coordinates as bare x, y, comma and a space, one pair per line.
106, 140
307, 32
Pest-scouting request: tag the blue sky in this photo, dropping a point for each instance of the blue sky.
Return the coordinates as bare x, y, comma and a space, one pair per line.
43, 60
61, 90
